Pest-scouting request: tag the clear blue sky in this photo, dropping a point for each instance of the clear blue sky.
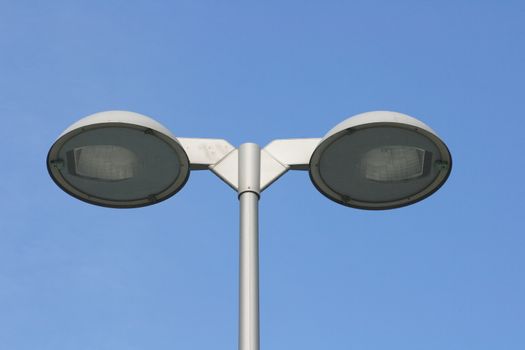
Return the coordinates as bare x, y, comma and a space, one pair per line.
446, 273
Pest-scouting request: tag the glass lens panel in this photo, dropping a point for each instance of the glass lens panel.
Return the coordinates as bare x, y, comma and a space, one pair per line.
379, 164
393, 163
119, 164
103, 162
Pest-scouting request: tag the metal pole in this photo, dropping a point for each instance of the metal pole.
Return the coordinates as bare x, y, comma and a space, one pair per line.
249, 189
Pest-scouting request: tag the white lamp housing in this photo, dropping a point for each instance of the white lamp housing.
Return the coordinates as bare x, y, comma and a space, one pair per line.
380, 160
118, 159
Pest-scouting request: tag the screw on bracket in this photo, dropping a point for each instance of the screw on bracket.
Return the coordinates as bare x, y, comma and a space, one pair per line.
441, 164
57, 164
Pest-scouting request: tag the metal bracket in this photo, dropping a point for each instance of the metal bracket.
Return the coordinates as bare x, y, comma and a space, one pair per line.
227, 169
222, 158
203, 153
293, 153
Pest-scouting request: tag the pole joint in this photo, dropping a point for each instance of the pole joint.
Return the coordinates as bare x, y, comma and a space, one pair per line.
249, 169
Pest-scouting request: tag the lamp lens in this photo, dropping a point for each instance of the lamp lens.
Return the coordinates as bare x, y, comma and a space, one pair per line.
119, 166
378, 166
102, 162
393, 163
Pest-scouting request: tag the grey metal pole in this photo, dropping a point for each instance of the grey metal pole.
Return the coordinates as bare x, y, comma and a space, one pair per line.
249, 190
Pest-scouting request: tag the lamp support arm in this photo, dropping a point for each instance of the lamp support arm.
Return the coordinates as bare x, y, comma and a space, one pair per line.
202, 153
293, 153
276, 159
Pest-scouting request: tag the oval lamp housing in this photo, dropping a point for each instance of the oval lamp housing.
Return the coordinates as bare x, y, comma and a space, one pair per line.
380, 160
118, 159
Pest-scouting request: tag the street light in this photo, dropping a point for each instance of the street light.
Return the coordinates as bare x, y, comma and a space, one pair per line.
375, 160
118, 159
380, 160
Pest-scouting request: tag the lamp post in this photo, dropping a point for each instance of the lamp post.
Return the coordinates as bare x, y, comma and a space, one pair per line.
375, 160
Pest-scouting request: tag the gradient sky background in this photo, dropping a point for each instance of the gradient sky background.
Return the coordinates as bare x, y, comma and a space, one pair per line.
446, 273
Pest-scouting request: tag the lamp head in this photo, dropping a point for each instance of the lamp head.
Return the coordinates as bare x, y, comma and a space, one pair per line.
118, 159
380, 160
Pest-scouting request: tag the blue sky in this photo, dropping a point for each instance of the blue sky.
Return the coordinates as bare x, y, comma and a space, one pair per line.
445, 273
